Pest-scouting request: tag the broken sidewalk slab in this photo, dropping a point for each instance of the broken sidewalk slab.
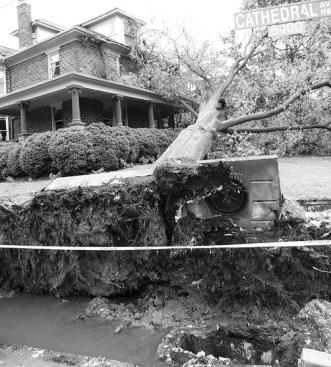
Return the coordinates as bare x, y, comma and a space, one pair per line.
100, 179
314, 358
14, 355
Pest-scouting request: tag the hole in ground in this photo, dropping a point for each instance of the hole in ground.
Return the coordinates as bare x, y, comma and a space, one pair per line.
238, 349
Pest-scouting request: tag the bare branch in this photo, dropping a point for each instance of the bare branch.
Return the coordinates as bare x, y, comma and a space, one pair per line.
192, 100
188, 107
223, 125
277, 128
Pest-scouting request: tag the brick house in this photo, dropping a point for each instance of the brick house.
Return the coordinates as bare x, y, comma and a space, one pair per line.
4, 120
84, 74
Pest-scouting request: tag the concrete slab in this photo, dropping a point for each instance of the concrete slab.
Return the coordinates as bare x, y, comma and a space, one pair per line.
314, 358
65, 183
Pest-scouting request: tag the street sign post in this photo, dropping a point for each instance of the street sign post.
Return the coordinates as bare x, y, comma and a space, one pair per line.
289, 13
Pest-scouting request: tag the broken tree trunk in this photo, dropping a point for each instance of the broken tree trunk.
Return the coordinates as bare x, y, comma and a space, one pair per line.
195, 141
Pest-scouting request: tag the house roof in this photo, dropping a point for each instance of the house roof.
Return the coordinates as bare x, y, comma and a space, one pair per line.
66, 36
110, 14
43, 24
6, 51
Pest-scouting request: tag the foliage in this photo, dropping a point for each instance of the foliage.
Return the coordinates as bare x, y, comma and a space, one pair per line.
126, 143
35, 159
103, 148
265, 73
5, 148
13, 161
235, 145
153, 142
69, 150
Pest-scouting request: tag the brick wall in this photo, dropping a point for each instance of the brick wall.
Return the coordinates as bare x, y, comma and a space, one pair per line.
91, 60
83, 57
70, 57
29, 72
91, 110
39, 120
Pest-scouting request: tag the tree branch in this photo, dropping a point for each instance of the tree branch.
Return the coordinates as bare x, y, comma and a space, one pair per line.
188, 107
223, 125
277, 128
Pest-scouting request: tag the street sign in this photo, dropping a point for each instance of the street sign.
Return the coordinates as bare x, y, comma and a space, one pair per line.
287, 29
263, 17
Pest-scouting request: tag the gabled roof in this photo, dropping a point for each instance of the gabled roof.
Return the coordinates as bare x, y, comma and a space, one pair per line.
110, 14
43, 24
6, 51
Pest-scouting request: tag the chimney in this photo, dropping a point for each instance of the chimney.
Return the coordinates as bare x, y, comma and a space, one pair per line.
25, 34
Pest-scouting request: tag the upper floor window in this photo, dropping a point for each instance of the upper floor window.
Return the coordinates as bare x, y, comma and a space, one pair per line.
2, 82
54, 64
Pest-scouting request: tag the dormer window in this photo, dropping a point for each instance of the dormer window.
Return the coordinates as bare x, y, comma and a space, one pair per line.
54, 64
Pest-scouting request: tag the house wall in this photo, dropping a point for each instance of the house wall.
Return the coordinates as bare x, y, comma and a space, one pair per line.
83, 57
28, 72
39, 120
91, 110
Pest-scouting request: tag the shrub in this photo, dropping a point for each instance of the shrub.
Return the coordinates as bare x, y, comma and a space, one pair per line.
148, 146
127, 146
13, 161
35, 159
69, 150
164, 138
5, 148
103, 148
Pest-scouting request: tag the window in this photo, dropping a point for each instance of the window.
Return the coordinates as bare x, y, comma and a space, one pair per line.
57, 118
3, 129
54, 64
2, 82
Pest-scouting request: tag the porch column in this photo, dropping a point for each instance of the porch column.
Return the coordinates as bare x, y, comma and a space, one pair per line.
118, 110
151, 121
75, 92
23, 120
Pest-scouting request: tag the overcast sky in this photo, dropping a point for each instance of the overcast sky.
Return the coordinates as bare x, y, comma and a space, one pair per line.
210, 17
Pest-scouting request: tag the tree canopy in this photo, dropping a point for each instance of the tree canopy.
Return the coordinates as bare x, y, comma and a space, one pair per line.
247, 78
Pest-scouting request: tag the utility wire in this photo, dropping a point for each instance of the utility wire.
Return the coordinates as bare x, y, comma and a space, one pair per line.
9, 3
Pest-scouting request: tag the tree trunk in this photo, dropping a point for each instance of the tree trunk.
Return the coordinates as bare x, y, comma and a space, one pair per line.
195, 141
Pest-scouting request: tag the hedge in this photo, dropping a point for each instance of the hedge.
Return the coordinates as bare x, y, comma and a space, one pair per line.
127, 145
13, 161
104, 148
5, 149
35, 159
77, 150
69, 150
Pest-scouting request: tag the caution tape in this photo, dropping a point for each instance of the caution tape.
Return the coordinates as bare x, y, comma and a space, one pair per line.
167, 248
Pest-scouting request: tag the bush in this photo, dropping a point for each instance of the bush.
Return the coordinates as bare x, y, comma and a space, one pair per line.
35, 159
5, 148
103, 148
148, 146
127, 146
13, 161
164, 138
69, 150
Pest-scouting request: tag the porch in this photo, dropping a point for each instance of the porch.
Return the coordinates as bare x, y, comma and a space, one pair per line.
77, 100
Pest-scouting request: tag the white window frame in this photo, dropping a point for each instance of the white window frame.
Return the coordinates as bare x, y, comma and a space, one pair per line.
50, 54
3, 70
